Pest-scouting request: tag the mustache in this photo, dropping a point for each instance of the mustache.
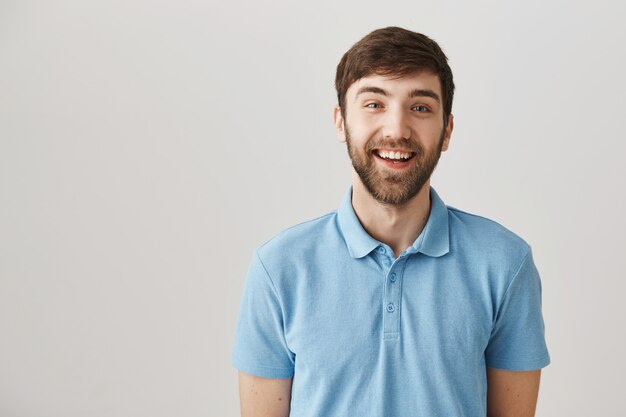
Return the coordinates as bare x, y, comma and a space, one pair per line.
401, 144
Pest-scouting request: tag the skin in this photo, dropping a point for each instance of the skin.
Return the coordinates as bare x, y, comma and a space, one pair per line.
384, 113
512, 393
264, 397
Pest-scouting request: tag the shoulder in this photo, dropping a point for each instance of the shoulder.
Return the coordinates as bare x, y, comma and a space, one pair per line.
486, 238
300, 238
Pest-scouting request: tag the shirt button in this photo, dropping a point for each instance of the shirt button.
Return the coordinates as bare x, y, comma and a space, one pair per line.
381, 250
392, 277
391, 308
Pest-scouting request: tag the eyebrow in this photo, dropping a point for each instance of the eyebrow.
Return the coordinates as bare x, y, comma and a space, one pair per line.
425, 93
371, 89
414, 93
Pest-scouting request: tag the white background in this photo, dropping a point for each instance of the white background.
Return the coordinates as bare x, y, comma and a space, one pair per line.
147, 147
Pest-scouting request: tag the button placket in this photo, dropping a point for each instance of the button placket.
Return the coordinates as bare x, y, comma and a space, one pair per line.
392, 300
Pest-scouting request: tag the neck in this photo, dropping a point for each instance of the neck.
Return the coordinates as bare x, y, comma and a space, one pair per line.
397, 226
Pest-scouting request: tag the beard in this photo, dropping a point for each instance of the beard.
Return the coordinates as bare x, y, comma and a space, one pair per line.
386, 186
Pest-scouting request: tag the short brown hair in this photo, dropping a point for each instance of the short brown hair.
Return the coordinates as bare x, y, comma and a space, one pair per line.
398, 52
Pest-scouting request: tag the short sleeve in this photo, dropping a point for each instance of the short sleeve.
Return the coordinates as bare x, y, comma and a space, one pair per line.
517, 339
260, 345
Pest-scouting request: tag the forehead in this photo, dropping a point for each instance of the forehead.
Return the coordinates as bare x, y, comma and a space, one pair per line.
423, 80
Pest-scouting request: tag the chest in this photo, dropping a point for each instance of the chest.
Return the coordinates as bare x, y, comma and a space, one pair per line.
353, 315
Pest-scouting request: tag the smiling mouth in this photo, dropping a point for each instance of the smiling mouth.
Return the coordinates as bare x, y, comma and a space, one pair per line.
393, 156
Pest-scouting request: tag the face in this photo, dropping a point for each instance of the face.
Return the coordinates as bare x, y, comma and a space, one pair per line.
394, 131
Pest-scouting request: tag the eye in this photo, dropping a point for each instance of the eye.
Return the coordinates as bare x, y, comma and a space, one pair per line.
421, 109
373, 106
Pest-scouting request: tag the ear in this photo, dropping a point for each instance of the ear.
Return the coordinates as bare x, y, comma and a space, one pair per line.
447, 133
339, 124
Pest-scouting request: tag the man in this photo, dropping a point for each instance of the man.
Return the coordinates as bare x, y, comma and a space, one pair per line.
395, 304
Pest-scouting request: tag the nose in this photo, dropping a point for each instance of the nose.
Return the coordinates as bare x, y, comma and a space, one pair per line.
396, 125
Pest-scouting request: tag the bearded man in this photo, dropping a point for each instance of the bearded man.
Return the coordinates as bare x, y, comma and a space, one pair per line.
395, 304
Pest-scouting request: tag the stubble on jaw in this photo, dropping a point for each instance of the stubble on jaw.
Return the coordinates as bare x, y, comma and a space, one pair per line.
391, 188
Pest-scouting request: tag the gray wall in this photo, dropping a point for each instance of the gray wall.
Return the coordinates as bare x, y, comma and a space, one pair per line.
147, 147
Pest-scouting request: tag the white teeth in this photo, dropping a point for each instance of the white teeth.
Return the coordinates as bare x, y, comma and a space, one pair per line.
394, 155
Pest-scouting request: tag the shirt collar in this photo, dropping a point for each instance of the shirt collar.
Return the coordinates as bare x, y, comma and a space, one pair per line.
433, 241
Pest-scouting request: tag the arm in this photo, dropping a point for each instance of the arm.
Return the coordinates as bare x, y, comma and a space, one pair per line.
512, 393
264, 397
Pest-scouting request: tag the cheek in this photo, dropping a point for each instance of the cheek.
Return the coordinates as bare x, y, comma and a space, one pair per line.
358, 140
431, 132
362, 129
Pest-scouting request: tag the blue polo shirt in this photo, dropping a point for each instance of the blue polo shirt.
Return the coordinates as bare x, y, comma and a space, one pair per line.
366, 334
